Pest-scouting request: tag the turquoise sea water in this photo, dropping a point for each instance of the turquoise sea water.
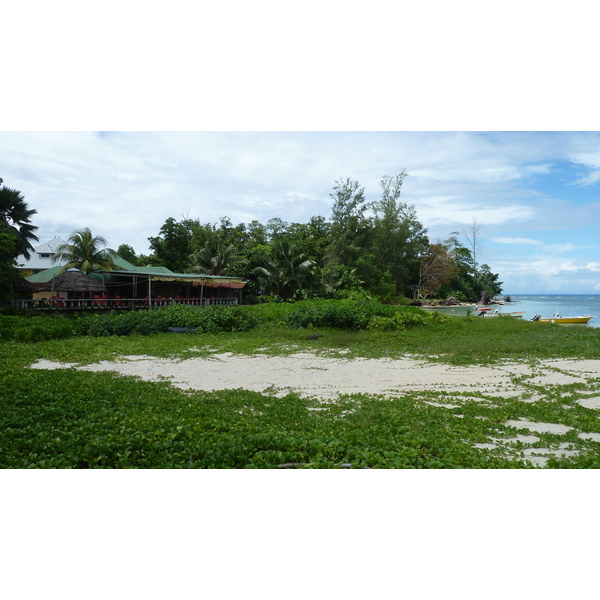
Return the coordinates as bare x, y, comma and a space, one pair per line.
546, 305
549, 304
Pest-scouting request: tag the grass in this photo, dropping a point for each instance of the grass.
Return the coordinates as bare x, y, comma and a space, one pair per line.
74, 419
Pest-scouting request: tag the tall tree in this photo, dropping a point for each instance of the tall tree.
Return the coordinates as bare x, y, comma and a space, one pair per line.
472, 234
348, 222
399, 239
16, 216
85, 252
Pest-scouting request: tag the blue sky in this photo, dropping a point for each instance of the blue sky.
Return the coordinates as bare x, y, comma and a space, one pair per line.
535, 196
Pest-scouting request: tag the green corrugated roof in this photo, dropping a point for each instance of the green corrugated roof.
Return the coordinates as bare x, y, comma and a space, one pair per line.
44, 276
126, 268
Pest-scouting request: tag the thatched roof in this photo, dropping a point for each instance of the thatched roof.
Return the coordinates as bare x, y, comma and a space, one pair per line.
22, 286
73, 281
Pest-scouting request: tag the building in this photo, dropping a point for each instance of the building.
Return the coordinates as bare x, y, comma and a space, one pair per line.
130, 286
41, 258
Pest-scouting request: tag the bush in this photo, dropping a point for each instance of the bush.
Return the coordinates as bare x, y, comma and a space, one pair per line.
36, 329
212, 319
341, 314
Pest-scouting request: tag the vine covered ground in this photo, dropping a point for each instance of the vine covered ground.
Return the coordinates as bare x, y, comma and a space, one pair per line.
74, 418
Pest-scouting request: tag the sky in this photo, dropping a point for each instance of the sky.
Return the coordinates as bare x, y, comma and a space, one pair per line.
535, 196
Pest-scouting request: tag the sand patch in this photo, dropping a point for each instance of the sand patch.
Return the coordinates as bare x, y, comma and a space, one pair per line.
589, 402
328, 378
539, 427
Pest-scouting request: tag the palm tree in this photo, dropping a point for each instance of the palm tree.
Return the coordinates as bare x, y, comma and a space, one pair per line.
84, 252
213, 258
15, 215
285, 270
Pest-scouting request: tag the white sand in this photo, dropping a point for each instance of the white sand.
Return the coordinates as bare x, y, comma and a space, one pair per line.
327, 378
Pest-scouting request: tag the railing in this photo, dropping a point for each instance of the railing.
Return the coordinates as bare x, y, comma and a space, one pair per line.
118, 303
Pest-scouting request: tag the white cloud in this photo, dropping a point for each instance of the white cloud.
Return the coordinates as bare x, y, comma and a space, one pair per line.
516, 241
559, 248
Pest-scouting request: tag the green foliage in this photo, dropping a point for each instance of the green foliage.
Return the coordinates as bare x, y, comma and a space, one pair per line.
35, 329
9, 272
72, 419
285, 270
127, 252
210, 319
15, 219
76, 419
348, 314
172, 246
84, 251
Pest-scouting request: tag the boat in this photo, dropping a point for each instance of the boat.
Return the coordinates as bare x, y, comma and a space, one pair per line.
564, 320
496, 313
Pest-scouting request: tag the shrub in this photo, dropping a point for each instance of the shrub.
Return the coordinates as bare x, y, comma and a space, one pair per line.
343, 314
36, 329
213, 319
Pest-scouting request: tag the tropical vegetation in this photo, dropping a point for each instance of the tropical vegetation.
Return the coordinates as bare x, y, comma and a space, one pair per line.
85, 252
375, 248
16, 235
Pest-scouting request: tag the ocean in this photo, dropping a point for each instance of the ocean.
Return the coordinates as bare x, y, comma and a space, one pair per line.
546, 305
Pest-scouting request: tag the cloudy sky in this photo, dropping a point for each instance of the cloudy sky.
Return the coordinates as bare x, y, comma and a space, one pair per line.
535, 196
253, 111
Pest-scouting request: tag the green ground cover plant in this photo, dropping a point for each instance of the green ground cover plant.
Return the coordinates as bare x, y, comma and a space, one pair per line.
72, 419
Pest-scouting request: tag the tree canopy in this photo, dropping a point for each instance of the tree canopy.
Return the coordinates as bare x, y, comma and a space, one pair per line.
376, 247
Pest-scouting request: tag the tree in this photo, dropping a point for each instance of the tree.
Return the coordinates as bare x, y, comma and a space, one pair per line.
472, 235
213, 259
312, 238
16, 216
348, 222
84, 251
128, 253
9, 273
436, 269
470, 280
488, 281
276, 229
399, 239
172, 246
285, 270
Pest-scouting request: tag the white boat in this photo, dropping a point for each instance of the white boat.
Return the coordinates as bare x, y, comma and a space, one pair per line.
496, 313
